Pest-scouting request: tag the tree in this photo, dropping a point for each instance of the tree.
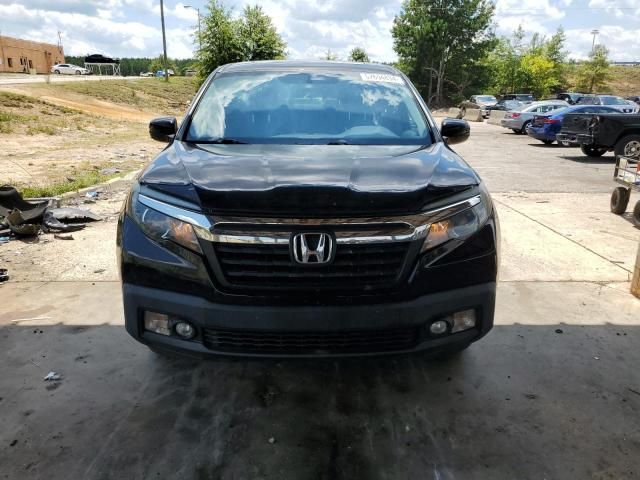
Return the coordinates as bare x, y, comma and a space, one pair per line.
594, 73
260, 37
158, 64
537, 66
227, 40
330, 56
431, 36
539, 73
220, 39
358, 55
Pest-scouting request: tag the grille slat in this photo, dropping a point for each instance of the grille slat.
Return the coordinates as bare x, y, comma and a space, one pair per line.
310, 342
374, 265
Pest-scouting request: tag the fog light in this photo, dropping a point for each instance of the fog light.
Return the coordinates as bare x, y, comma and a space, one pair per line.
185, 330
439, 327
157, 323
463, 320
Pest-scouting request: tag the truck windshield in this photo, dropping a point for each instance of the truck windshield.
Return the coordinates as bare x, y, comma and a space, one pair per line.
313, 107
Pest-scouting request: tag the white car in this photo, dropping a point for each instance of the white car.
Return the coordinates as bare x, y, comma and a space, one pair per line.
147, 74
69, 69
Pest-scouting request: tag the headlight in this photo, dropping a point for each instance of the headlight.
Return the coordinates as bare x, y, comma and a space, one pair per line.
461, 225
162, 227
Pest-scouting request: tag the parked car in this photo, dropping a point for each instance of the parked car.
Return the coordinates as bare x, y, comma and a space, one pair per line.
546, 127
634, 98
69, 69
598, 134
147, 74
160, 73
520, 97
618, 103
190, 73
570, 97
481, 102
518, 120
335, 221
506, 105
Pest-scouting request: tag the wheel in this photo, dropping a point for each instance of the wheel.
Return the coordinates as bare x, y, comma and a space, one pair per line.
523, 130
628, 146
590, 151
57, 72
547, 142
78, 72
620, 200
515, 130
564, 144
636, 214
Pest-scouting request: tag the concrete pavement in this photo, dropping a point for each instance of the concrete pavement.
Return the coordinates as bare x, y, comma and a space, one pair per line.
553, 392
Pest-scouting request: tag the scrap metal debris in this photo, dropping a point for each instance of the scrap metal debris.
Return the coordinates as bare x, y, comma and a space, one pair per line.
52, 377
22, 218
59, 236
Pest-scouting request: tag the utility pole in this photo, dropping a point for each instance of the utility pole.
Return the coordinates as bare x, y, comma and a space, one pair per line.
594, 32
199, 25
164, 42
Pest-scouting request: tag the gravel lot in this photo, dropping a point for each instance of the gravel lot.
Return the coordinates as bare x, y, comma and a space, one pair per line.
553, 392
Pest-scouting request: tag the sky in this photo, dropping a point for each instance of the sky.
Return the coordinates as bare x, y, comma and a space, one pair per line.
131, 28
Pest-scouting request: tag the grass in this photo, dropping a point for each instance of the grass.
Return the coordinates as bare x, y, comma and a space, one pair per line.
623, 81
41, 118
82, 180
153, 94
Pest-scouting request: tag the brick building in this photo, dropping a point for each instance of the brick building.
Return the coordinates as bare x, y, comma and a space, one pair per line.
22, 56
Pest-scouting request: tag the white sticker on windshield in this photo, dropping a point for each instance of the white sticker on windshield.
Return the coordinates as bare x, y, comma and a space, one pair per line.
381, 77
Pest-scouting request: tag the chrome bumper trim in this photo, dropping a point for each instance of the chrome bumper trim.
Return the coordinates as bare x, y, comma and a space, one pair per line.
277, 231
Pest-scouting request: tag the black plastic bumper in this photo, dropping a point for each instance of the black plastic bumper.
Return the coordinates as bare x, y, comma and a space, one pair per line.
376, 319
575, 138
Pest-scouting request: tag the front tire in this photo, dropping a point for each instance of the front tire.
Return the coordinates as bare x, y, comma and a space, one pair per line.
547, 142
590, 151
57, 72
620, 200
628, 146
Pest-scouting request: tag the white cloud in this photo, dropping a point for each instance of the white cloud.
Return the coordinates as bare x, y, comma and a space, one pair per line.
310, 27
623, 44
618, 8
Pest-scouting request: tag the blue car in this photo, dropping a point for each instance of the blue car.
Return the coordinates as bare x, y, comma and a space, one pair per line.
545, 127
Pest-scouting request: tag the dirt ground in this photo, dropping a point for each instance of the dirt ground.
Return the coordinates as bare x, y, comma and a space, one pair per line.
59, 134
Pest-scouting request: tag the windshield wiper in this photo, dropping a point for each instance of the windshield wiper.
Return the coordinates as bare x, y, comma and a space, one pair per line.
225, 141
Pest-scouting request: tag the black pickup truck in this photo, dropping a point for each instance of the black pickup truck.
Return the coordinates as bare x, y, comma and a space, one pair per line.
601, 133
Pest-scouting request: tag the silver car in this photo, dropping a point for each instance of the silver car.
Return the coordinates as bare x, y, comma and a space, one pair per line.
518, 120
612, 101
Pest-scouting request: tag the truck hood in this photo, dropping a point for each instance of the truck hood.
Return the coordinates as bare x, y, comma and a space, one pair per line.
314, 179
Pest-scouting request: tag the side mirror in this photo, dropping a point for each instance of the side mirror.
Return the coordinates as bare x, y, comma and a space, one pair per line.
454, 130
163, 129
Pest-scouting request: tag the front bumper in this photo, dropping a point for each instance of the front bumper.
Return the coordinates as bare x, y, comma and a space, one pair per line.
575, 138
293, 331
